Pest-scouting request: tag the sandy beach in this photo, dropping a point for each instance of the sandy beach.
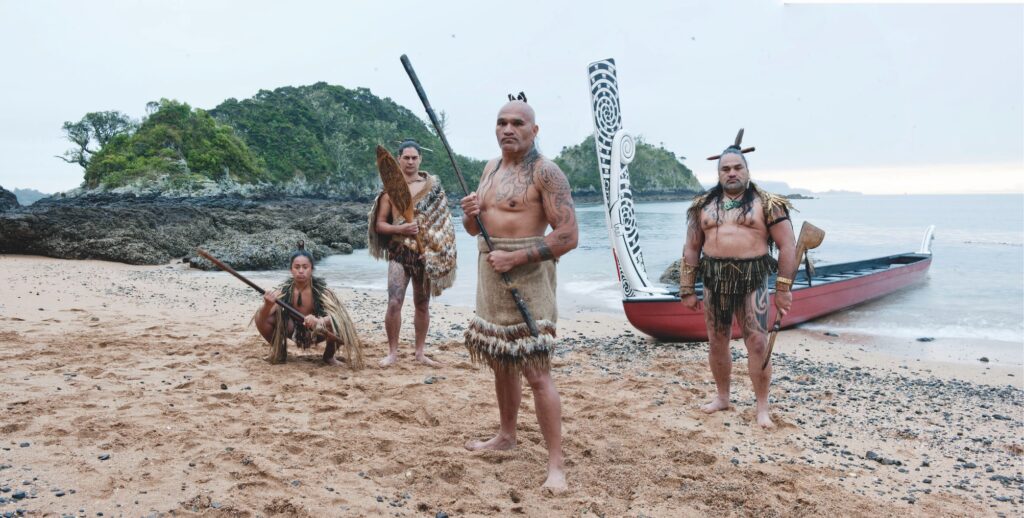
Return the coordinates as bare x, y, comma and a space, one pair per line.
143, 391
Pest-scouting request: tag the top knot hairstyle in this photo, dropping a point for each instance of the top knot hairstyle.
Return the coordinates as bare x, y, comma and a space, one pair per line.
520, 97
300, 251
409, 143
734, 148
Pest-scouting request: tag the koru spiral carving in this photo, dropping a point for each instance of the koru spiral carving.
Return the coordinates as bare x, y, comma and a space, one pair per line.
613, 157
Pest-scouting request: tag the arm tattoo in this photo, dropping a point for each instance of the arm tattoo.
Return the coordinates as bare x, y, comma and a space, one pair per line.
541, 252
558, 204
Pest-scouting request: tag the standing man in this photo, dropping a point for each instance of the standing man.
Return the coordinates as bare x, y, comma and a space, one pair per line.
422, 250
730, 231
520, 195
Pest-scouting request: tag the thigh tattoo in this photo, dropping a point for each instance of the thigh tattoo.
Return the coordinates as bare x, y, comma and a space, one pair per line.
397, 281
755, 311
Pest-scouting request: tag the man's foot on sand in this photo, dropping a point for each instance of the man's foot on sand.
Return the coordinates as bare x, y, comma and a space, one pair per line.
556, 480
422, 358
715, 405
497, 443
764, 419
388, 360
333, 362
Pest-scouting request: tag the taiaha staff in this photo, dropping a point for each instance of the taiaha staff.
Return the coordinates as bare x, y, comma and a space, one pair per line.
520, 303
294, 313
771, 342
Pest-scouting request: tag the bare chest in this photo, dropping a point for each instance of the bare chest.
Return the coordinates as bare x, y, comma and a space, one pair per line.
415, 188
510, 190
716, 217
302, 300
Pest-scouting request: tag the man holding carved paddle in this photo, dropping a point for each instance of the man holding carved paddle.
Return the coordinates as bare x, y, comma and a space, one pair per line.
730, 232
410, 225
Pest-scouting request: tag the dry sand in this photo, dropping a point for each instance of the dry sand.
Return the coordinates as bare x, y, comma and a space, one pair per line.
138, 391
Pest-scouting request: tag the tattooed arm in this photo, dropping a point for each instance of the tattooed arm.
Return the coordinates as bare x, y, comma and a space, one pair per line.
471, 203
560, 212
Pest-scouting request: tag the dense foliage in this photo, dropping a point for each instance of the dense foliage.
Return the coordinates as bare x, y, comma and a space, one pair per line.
184, 144
653, 170
320, 138
327, 135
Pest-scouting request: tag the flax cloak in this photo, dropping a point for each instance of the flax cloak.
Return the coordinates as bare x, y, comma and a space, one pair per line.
325, 303
497, 335
437, 234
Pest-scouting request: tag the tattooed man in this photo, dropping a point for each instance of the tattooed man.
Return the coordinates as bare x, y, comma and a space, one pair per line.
421, 250
730, 231
519, 196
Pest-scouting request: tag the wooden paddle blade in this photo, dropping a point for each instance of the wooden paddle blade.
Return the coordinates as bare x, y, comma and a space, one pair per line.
810, 236
394, 182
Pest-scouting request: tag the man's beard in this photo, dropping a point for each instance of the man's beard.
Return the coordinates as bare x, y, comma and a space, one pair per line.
741, 187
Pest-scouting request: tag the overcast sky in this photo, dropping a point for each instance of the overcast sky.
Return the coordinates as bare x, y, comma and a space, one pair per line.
875, 98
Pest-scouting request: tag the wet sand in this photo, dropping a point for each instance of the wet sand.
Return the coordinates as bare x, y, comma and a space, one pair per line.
142, 390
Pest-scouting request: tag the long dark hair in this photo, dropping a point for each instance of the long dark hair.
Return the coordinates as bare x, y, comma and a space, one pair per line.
715, 195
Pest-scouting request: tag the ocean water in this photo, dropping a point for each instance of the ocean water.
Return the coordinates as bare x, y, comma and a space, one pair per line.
974, 291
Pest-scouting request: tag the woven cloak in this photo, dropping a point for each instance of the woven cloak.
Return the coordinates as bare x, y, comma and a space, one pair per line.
437, 233
325, 303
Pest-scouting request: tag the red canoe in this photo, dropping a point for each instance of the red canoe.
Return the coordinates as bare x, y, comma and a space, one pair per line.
833, 287
654, 308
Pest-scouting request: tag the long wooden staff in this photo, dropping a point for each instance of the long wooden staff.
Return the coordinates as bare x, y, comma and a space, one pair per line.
294, 313
520, 303
771, 342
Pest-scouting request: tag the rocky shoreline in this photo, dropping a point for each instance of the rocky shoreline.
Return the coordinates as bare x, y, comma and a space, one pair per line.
247, 233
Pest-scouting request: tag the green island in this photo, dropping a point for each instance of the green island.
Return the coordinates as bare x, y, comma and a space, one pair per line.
316, 139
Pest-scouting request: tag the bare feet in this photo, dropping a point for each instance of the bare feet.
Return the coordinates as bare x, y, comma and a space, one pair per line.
764, 418
498, 442
715, 405
422, 358
556, 480
388, 360
332, 361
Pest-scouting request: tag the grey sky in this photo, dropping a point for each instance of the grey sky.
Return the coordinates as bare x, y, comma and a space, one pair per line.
823, 88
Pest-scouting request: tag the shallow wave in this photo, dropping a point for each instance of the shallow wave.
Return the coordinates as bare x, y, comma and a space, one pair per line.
958, 332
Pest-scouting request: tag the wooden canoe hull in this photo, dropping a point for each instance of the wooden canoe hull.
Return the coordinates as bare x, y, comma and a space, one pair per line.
834, 287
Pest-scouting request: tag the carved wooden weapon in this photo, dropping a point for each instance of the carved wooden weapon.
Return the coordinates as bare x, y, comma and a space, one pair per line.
520, 303
292, 312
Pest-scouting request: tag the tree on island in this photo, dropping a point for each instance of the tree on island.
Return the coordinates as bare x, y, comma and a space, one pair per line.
176, 141
94, 127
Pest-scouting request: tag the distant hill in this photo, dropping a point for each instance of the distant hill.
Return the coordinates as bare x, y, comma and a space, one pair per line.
315, 139
28, 196
653, 170
327, 134
784, 189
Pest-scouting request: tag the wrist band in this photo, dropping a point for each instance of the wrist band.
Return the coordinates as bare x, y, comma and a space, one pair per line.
783, 280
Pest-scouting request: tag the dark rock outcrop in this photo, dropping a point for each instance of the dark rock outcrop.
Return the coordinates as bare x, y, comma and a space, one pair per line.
248, 234
671, 274
8, 200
